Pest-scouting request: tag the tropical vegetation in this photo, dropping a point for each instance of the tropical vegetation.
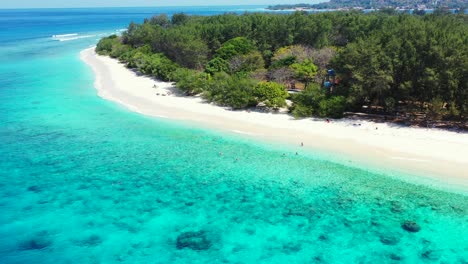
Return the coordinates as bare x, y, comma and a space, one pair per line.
368, 4
334, 62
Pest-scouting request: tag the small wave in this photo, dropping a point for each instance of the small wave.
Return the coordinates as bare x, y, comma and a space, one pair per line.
245, 133
65, 35
409, 159
80, 37
74, 37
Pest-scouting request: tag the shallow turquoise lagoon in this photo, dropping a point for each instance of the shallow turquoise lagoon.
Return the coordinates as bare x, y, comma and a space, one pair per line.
83, 180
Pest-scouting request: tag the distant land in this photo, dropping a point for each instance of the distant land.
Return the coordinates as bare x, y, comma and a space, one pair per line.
376, 4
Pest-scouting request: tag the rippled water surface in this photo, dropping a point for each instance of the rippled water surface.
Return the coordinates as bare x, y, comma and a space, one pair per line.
83, 180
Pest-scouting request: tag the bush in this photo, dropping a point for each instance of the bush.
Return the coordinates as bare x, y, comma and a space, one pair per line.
118, 50
233, 91
246, 63
299, 111
161, 67
436, 109
314, 102
216, 65
234, 47
105, 45
138, 60
271, 93
332, 107
190, 81
310, 98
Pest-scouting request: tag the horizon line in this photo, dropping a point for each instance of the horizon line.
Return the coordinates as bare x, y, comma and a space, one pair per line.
84, 7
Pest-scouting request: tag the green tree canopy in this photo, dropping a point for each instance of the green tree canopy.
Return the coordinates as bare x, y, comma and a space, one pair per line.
305, 71
234, 47
396, 62
271, 93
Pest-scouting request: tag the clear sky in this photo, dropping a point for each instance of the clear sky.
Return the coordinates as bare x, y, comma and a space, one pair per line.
115, 3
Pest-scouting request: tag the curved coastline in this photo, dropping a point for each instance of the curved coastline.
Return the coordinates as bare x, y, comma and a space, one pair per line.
437, 157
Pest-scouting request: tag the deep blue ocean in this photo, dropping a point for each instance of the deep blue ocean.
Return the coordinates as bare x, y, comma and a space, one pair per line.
83, 180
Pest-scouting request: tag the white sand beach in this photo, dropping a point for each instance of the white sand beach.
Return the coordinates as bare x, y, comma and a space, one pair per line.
438, 157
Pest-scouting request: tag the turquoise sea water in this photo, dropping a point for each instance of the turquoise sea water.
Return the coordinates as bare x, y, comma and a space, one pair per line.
83, 180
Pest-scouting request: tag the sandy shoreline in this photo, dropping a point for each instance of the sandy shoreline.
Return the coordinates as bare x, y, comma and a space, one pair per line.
439, 157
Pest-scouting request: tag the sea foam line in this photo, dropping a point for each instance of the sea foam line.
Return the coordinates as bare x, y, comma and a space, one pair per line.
71, 37
410, 159
65, 35
245, 133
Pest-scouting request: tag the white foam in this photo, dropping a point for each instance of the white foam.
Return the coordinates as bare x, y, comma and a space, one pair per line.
71, 37
65, 35
244, 133
410, 159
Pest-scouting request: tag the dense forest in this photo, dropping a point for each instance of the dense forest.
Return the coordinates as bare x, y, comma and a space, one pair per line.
377, 4
398, 66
